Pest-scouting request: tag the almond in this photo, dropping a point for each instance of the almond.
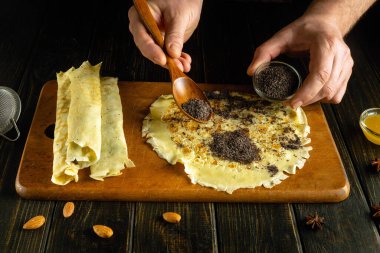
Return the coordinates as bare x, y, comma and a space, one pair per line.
34, 222
171, 217
102, 231
68, 209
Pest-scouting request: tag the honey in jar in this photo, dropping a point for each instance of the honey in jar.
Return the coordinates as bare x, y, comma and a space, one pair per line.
371, 128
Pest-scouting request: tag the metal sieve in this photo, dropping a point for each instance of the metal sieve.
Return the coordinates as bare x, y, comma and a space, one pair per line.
10, 109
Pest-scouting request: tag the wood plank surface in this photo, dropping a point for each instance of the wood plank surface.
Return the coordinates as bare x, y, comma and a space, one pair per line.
346, 222
261, 28
321, 180
257, 228
342, 228
362, 94
75, 234
244, 230
109, 41
38, 34
194, 233
197, 230
16, 42
19, 28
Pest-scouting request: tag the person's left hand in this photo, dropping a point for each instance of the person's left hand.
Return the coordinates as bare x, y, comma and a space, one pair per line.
330, 65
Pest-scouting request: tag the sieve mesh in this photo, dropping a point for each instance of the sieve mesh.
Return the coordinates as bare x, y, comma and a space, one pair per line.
10, 107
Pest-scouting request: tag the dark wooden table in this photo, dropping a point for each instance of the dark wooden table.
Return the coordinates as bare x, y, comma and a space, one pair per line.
39, 38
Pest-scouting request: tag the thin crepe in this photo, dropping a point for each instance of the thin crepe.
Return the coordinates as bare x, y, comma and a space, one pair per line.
63, 172
114, 153
178, 139
84, 119
89, 126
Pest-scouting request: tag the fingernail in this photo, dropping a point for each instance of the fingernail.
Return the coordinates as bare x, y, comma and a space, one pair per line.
297, 104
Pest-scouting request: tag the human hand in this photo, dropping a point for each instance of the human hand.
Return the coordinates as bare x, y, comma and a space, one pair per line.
177, 20
330, 64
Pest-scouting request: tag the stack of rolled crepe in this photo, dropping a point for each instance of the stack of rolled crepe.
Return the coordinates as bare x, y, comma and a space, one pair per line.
89, 126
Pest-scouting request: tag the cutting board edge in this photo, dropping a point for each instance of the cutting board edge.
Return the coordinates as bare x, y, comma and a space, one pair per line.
330, 196
20, 189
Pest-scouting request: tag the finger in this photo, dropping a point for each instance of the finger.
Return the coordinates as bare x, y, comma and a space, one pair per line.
175, 36
339, 95
321, 64
338, 74
342, 90
143, 41
187, 57
185, 63
179, 64
340, 83
332, 86
266, 52
348, 72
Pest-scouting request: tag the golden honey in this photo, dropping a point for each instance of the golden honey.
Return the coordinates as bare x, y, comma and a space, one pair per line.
370, 125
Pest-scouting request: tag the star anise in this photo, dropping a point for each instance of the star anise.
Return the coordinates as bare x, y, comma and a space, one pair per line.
376, 164
315, 221
376, 211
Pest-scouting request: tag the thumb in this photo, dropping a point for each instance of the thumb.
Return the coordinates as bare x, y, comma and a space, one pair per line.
175, 36
266, 52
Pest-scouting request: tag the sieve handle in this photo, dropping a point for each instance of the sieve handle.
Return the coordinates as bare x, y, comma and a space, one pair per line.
17, 131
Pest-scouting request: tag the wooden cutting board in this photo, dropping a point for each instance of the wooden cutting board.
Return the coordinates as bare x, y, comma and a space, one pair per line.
323, 178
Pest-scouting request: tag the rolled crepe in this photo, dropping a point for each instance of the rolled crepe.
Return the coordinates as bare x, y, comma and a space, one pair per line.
84, 118
114, 153
89, 126
63, 173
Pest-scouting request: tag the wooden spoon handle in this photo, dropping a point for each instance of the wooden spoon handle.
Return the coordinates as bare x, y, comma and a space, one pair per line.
175, 72
148, 20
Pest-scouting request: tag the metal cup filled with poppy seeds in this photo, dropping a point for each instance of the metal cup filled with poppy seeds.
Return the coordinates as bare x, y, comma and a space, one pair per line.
276, 81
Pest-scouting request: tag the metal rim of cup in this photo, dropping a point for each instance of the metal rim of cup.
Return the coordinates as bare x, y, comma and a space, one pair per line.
364, 115
265, 65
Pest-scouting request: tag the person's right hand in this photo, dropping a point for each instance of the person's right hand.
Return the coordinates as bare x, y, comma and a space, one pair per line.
177, 20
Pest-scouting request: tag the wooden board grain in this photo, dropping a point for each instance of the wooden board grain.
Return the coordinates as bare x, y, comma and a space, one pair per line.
322, 179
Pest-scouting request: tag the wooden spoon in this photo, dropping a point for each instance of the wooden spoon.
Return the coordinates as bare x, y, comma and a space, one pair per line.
184, 88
